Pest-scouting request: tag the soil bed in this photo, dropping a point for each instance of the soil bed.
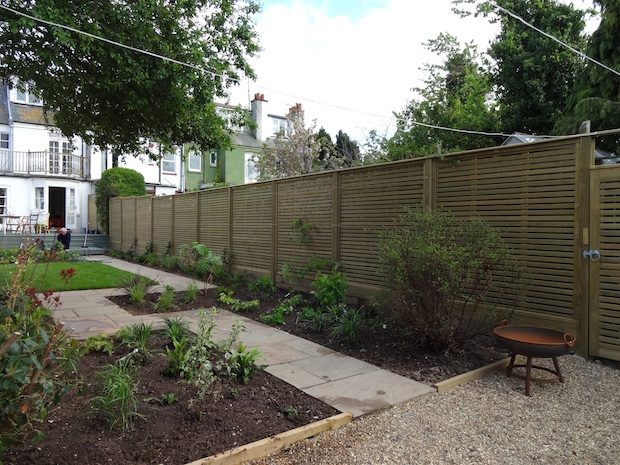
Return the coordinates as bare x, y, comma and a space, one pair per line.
170, 434
383, 344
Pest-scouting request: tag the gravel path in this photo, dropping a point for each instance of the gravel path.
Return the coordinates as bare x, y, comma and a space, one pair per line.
489, 421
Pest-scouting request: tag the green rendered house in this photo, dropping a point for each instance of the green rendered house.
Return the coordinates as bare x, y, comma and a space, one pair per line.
237, 164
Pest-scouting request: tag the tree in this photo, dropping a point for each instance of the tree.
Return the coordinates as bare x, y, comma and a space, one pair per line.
347, 149
294, 152
116, 182
457, 94
534, 76
597, 96
111, 96
326, 146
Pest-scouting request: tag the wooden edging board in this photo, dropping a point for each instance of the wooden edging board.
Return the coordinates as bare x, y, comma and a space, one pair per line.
463, 378
262, 448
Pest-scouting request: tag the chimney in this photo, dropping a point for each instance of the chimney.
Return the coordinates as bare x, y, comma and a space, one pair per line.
259, 116
295, 109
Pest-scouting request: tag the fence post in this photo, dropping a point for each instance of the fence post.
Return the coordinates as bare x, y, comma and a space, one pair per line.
581, 305
198, 217
336, 188
429, 175
230, 228
172, 242
153, 222
274, 230
135, 224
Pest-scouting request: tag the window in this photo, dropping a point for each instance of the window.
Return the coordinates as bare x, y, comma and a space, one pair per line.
4, 140
54, 146
213, 158
24, 93
280, 125
4, 200
195, 161
251, 171
39, 198
168, 164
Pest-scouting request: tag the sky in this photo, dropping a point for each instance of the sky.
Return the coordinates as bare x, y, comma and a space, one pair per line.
338, 55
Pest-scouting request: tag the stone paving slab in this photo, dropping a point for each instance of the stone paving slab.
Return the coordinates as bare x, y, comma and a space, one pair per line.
345, 383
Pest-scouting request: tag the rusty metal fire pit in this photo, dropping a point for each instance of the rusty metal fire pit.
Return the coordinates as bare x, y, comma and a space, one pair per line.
533, 342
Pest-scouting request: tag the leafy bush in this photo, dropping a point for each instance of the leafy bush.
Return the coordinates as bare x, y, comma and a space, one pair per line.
191, 292
264, 285
242, 362
136, 336
439, 270
118, 399
176, 356
165, 302
169, 262
137, 288
237, 305
286, 306
38, 362
319, 319
176, 328
116, 182
150, 259
329, 289
198, 259
98, 344
348, 324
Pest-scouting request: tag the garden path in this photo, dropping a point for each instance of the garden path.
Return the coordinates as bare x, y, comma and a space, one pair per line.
345, 383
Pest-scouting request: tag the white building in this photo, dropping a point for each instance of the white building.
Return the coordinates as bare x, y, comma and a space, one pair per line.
41, 171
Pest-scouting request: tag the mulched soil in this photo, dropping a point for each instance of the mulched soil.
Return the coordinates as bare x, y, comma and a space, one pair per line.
170, 434
383, 344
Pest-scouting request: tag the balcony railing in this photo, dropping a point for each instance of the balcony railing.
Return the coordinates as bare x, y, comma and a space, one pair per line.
44, 163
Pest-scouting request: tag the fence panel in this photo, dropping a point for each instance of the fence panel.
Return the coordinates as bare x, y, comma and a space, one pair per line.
370, 199
162, 224
214, 219
116, 223
252, 228
185, 221
304, 221
529, 197
144, 222
128, 215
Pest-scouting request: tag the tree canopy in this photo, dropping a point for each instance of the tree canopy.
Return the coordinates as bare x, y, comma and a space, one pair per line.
456, 94
111, 96
347, 150
116, 182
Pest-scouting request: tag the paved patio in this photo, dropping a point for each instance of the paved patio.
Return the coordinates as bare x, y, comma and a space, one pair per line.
345, 383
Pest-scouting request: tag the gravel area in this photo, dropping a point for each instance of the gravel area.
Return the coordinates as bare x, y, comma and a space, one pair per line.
489, 421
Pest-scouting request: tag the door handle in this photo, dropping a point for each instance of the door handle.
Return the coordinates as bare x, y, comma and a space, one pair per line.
592, 254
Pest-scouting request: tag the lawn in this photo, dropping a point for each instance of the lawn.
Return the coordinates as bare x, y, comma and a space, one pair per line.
88, 275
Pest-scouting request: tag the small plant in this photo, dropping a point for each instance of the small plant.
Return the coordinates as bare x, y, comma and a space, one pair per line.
136, 336
168, 398
242, 362
329, 289
137, 288
191, 293
303, 228
169, 262
348, 324
263, 285
118, 400
176, 357
237, 305
150, 259
285, 307
317, 318
176, 328
165, 302
99, 343
290, 411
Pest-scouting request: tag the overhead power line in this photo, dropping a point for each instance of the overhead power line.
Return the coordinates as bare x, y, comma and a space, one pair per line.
212, 73
564, 44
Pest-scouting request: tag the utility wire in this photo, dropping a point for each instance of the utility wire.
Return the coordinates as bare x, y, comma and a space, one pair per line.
212, 73
118, 44
564, 44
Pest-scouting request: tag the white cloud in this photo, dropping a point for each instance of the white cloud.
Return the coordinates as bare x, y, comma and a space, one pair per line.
367, 61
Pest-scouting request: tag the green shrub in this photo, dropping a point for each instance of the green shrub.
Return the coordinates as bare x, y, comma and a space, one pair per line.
137, 288
150, 259
176, 328
242, 362
165, 301
169, 262
98, 344
38, 362
136, 336
329, 289
317, 318
118, 399
286, 306
439, 270
348, 323
264, 285
176, 357
237, 305
116, 182
191, 293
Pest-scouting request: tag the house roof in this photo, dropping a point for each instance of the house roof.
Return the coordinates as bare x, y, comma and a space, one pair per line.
246, 140
4, 104
32, 114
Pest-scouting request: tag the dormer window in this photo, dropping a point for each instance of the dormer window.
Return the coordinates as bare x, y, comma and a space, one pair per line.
279, 125
24, 93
